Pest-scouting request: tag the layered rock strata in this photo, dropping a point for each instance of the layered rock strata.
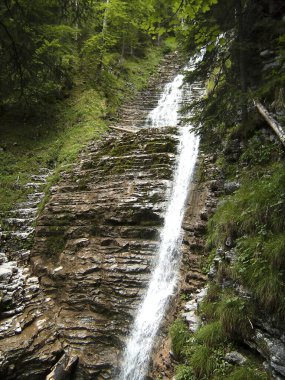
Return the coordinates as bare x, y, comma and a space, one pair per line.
33, 336
134, 112
267, 341
93, 251
203, 197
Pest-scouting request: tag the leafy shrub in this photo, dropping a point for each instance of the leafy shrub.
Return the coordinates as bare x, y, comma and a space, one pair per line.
257, 207
184, 372
208, 307
170, 44
261, 265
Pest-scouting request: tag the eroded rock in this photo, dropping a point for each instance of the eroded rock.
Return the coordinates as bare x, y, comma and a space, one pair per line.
92, 256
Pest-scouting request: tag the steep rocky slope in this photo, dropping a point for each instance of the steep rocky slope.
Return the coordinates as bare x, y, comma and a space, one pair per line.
77, 291
226, 324
92, 255
203, 197
134, 112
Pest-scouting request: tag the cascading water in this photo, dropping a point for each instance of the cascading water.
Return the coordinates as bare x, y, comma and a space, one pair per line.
164, 277
167, 111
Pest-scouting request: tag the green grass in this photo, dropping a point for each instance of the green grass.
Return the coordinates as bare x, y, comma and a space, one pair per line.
228, 317
184, 372
52, 143
203, 362
211, 334
138, 71
235, 316
245, 373
260, 266
135, 73
54, 138
203, 353
257, 206
255, 218
179, 335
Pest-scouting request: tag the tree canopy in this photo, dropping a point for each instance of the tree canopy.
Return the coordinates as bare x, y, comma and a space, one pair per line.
243, 42
43, 44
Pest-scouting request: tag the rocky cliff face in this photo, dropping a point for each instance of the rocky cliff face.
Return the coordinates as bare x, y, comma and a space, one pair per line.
203, 197
77, 290
92, 255
266, 341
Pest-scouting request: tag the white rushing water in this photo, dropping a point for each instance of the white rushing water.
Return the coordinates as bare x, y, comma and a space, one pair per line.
165, 274
167, 111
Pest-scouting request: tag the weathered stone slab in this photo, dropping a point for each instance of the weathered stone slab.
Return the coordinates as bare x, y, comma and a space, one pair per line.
94, 247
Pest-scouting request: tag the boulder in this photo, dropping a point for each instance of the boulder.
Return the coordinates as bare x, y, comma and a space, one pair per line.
235, 357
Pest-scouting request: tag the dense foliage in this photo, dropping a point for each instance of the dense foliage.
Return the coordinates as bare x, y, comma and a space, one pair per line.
90, 52
38, 49
44, 45
242, 43
65, 68
241, 48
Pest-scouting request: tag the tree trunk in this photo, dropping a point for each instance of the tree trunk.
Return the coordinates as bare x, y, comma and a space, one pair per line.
123, 47
241, 55
104, 27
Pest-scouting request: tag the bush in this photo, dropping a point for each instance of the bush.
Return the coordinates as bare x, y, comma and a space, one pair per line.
208, 307
184, 372
169, 45
256, 208
261, 265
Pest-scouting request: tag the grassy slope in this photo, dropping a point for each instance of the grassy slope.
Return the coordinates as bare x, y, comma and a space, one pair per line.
55, 138
254, 218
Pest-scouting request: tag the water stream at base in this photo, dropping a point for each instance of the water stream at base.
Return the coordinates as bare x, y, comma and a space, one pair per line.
165, 273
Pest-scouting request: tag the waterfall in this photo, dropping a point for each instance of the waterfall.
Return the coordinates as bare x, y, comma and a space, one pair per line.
165, 273
167, 111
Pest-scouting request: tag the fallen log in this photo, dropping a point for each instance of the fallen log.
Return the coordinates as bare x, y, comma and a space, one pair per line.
63, 368
277, 128
121, 129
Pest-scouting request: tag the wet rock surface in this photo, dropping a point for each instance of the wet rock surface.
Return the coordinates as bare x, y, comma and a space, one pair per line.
92, 256
234, 357
76, 292
19, 286
134, 112
203, 197
270, 344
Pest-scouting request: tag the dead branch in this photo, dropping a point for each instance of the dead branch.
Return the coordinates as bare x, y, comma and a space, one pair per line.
277, 128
